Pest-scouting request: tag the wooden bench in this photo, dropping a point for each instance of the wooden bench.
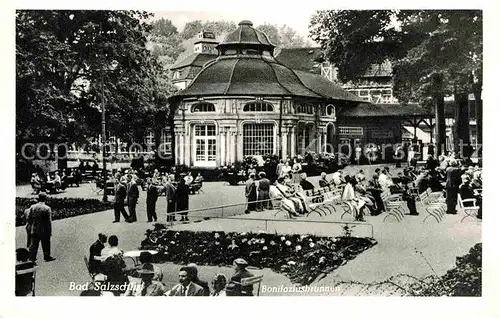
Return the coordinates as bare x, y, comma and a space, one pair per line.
469, 211
434, 204
394, 205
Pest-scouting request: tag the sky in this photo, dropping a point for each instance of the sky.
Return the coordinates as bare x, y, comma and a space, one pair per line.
297, 19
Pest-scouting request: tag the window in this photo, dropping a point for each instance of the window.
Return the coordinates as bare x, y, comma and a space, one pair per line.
330, 110
166, 141
258, 139
354, 131
258, 107
202, 108
150, 138
305, 109
205, 145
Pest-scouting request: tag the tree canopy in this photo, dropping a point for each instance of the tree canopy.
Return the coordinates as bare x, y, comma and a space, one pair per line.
63, 61
433, 52
282, 36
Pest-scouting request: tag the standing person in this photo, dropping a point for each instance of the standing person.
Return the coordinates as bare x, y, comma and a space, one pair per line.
40, 218
358, 152
250, 193
263, 192
185, 287
119, 199
182, 198
296, 170
279, 168
170, 192
95, 250
152, 193
411, 156
453, 180
28, 222
286, 169
132, 197
399, 155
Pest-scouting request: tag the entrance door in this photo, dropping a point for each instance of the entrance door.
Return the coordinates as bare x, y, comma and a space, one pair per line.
205, 146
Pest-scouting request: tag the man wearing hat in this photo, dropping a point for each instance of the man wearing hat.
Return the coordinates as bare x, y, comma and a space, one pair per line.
40, 218
148, 286
250, 193
185, 287
234, 288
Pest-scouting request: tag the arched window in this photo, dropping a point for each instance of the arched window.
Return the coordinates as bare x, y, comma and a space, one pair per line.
258, 107
330, 110
202, 108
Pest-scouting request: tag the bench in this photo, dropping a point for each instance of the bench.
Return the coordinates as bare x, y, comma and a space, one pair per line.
322, 200
250, 281
469, 211
434, 204
394, 205
25, 281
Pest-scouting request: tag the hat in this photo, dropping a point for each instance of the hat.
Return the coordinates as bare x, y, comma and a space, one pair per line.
146, 269
240, 261
262, 174
100, 277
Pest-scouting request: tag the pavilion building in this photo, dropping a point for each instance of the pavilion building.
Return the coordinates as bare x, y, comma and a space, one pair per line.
245, 102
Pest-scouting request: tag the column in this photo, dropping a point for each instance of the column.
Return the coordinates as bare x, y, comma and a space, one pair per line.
221, 147
176, 150
319, 141
293, 140
187, 147
325, 140
181, 147
234, 147
284, 142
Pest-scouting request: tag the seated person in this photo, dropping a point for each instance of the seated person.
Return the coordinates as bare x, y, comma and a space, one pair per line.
349, 195
289, 202
219, 283
95, 253
199, 178
375, 189
337, 178
36, 183
185, 287
466, 192
196, 280
188, 178
323, 182
24, 282
306, 185
149, 286
234, 288
360, 177
111, 250
147, 258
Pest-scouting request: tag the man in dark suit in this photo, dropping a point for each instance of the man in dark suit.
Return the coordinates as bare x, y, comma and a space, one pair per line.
40, 218
234, 288
28, 225
95, 250
182, 199
263, 191
170, 191
185, 287
119, 200
132, 197
453, 180
152, 193
250, 193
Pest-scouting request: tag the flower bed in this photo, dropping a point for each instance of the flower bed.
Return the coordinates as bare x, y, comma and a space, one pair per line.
63, 207
302, 258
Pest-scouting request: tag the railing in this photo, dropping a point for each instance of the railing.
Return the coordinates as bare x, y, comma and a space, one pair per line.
231, 211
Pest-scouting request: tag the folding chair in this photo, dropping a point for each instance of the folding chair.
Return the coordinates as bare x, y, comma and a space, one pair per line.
25, 281
250, 281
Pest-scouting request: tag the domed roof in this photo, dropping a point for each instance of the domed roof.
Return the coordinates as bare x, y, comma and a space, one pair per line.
246, 34
257, 75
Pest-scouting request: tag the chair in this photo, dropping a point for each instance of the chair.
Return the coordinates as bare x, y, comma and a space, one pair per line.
434, 204
250, 281
394, 205
25, 280
470, 211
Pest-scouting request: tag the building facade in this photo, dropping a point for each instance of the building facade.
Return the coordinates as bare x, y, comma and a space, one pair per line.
245, 102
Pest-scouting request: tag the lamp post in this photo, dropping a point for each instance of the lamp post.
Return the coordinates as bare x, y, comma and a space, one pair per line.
114, 65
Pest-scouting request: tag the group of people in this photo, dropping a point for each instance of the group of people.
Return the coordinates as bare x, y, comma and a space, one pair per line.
58, 180
107, 265
176, 191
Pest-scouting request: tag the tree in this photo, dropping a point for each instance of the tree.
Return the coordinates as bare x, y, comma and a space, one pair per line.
62, 61
163, 27
191, 29
282, 36
433, 53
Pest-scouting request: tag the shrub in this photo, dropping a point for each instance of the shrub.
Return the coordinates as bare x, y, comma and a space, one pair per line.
63, 207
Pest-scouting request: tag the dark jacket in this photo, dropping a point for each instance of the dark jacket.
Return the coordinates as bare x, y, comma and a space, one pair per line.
152, 193
234, 287
120, 193
250, 189
40, 218
182, 197
264, 185
306, 185
95, 250
453, 178
204, 285
132, 193
322, 183
170, 191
